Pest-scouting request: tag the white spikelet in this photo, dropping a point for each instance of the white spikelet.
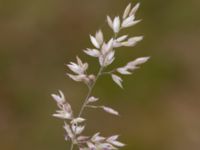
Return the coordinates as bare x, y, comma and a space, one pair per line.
60, 99
94, 41
99, 37
117, 80
92, 99
110, 23
92, 52
132, 41
137, 62
134, 9
116, 24
126, 11
110, 110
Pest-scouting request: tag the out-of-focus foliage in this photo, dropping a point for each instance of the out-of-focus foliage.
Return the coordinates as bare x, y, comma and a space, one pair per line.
160, 105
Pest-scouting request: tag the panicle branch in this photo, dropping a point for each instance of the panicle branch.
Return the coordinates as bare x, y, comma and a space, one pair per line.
104, 51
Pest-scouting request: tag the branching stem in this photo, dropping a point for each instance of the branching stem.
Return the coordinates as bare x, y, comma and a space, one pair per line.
88, 96
90, 91
109, 72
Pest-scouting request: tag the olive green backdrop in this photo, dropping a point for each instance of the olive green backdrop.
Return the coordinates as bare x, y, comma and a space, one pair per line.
160, 107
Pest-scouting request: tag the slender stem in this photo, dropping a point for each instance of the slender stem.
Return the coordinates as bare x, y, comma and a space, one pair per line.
72, 146
87, 97
108, 72
90, 92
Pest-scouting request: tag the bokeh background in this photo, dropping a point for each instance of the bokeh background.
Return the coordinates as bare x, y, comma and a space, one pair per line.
160, 108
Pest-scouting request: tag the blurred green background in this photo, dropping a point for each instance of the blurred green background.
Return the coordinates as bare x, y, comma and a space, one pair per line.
160, 108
